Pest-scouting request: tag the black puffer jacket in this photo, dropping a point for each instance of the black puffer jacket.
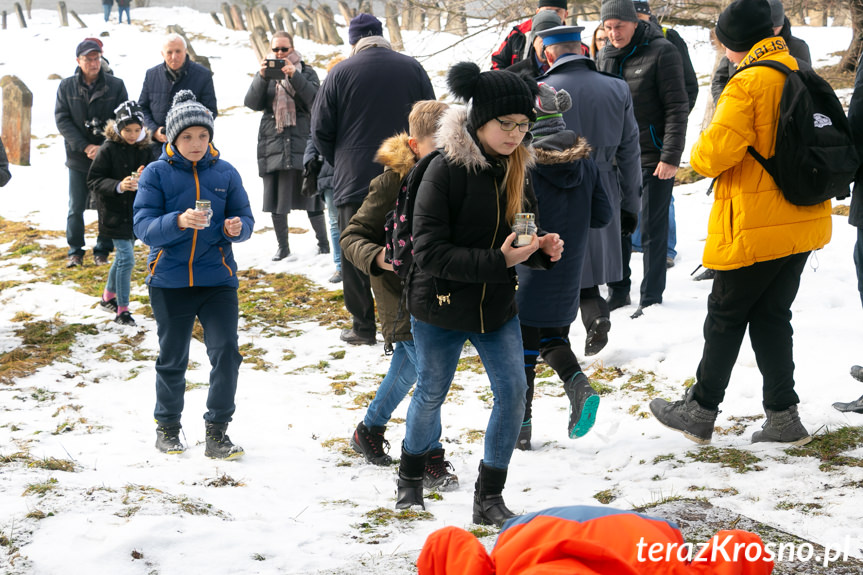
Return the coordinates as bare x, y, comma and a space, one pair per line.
855, 118
460, 280
77, 106
651, 66
283, 151
116, 160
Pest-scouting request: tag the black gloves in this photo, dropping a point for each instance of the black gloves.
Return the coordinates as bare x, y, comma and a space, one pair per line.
310, 177
628, 223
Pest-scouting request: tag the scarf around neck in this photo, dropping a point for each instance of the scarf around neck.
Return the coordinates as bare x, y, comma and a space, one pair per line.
284, 106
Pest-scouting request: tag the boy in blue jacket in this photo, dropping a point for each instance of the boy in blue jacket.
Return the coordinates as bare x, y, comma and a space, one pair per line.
192, 272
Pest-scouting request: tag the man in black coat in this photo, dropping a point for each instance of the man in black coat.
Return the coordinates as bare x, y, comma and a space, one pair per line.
85, 103
639, 54
364, 100
163, 81
781, 27
517, 44
855, 217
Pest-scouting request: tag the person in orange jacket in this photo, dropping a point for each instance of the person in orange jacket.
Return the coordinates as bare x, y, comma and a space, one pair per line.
584, 540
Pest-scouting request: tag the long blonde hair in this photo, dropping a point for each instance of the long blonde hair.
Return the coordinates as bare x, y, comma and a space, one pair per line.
516, 169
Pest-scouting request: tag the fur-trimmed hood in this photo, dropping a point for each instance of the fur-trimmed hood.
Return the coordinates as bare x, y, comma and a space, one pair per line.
395, 153
112, 134
461, 146
561, 148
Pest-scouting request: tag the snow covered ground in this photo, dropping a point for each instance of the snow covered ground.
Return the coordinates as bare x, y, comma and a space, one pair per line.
297, 503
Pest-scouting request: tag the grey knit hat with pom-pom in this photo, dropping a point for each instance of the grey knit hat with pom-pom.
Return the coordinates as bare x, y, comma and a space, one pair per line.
186, 112
491, 94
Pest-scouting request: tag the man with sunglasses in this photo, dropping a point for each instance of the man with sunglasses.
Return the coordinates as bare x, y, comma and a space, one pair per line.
162, 82
85, 102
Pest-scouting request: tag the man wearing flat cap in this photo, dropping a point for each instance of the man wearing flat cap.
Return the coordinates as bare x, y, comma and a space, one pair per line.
639, 54
363, 101
85, 102
609, 125
518, 43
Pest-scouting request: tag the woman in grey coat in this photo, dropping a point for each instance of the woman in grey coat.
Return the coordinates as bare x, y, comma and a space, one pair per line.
282, 135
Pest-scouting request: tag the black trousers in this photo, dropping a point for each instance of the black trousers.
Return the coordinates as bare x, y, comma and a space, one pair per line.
760, 297
655, 201
356, 286
553, 344
592, 306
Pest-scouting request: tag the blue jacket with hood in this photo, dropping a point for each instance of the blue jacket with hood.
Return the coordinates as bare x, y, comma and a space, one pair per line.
185, 257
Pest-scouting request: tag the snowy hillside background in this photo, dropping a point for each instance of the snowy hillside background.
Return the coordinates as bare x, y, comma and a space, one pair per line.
300, 501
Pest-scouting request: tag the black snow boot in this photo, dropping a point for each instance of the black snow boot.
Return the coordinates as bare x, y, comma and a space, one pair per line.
583, 405
319, 224
488, 505
168, 439
371, 444
783, 427
280, 226
219, 445
410, 481
436, 475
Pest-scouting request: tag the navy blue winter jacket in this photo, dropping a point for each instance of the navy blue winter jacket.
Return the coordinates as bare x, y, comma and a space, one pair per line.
186, 257
363, 101
158, 91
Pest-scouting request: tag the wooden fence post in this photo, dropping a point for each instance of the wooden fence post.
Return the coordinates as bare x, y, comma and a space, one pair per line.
77, 19
288, 20
20, 13
260, 42
17, 106
226, 14
215, 17
237, 17
347, 13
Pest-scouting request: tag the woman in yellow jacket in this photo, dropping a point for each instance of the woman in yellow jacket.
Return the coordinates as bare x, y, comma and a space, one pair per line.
757, 241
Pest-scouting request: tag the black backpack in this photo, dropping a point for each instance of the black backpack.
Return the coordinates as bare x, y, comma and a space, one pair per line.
399, 241
815, 158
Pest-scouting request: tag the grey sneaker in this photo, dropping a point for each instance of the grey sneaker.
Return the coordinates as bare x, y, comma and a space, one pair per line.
168, 439
783, 427
855, 406
686, 416
583, 405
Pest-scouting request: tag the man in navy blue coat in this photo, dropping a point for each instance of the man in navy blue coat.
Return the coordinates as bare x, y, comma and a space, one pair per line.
363, 101
161, 82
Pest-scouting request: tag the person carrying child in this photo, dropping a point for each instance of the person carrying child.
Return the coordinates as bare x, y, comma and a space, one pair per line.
571, 200
113, 178
363, 245
191, 207
462, 283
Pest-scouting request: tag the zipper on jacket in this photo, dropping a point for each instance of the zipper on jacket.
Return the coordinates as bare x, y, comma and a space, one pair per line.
493, 238
195, 232
224, 263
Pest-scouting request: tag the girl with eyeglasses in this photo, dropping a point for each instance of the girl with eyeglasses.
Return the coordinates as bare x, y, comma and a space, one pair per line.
285, 96
463, 282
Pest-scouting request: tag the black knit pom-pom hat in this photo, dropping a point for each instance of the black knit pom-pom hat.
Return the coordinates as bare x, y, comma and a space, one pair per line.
491, 94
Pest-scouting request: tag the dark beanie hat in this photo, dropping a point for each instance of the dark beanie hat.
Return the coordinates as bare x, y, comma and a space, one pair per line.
129, 112
641, 7
743, 24
617, 10
777, 13
363, 25
491, 94
186, 112
552, 4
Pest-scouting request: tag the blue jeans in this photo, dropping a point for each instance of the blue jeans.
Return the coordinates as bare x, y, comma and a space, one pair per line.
106, 8
120, 275
400, 377
672, 233
858, 261
438, 352
79, 198
121, 10
175, 310
333, 214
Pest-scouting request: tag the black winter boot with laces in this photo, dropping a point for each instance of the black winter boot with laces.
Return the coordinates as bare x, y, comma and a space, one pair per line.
219, 445
488, 505
168, 439
371, 444
436, 475
409, 492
